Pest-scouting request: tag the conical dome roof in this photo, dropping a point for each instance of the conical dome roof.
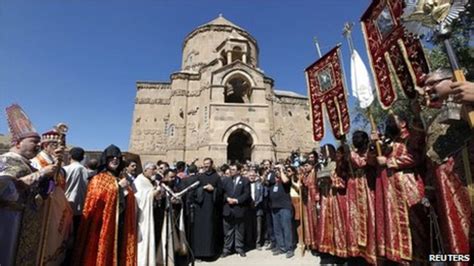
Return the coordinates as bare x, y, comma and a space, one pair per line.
201, 45
220, 20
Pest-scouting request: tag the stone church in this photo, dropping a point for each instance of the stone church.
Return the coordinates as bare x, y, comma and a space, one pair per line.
220, 104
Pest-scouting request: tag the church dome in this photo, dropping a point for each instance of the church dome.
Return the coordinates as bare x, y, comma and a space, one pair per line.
220, 20
211, 41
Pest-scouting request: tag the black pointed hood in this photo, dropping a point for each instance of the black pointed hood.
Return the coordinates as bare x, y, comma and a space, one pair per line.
111, 151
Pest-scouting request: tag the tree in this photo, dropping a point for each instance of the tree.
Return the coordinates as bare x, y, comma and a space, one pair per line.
462, 42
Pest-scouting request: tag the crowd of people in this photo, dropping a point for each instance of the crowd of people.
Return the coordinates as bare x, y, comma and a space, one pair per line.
391, 197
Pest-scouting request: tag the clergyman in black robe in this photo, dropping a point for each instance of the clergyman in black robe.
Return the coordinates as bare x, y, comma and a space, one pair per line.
205, 203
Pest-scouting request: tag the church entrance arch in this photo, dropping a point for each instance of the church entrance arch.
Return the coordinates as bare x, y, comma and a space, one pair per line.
239, 146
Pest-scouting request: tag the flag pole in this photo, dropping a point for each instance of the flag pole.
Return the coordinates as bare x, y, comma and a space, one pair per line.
347, 33
318, 49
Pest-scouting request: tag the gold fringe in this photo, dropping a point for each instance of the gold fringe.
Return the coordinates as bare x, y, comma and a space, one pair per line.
117, 212
393, 75
403, 49
311, 107
371, 60
468, 174
339, 116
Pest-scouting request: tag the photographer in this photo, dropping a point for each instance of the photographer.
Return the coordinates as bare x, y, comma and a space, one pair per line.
281, 207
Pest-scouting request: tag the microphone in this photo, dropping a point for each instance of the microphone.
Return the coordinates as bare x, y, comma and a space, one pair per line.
193, 185
179, 194
168, 189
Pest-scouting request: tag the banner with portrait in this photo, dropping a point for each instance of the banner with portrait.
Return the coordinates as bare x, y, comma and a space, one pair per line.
325, 83
392, 51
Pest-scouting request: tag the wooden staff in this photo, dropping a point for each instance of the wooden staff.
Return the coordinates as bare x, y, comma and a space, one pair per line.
467, 111
378, 147
301, 207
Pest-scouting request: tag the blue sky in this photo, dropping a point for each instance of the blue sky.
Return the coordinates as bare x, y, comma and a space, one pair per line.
77, 61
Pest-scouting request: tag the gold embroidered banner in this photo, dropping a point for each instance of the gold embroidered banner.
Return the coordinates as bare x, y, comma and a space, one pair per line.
325, 82
390, 49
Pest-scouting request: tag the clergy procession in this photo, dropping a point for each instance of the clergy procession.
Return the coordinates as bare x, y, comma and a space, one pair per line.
398, 192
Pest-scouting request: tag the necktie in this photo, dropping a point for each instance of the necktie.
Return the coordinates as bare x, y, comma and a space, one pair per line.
235, 183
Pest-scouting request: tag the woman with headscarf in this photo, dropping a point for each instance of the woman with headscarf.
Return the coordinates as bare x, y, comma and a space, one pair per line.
107, 233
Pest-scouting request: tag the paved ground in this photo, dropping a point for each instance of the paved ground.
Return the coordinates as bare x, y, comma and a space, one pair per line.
264, 258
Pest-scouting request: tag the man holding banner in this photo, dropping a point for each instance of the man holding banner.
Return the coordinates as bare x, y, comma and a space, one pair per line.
448, 147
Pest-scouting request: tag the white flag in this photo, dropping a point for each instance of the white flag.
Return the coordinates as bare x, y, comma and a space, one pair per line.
361, 85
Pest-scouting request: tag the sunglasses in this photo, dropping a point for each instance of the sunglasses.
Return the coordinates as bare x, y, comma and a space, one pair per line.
435, 82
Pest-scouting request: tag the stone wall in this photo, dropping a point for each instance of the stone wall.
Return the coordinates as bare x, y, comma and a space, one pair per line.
150, 118
293, 128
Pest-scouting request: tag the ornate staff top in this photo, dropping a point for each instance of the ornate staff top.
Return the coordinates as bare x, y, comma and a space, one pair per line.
429, 17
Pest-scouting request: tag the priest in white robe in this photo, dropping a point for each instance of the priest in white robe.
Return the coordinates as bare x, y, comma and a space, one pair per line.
146, 192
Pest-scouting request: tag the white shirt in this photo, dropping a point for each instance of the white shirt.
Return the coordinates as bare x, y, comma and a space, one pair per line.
252, 190
76, 186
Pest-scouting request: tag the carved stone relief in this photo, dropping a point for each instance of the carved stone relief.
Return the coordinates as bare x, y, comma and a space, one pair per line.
193, 111
178, 93
153, 86
152, 101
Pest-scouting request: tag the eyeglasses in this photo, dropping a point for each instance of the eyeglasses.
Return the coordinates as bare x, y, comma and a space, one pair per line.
435, 82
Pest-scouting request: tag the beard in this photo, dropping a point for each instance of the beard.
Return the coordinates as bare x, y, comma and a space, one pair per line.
111, 166
30, 153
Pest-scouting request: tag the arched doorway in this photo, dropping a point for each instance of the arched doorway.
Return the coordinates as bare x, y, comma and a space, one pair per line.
239, 146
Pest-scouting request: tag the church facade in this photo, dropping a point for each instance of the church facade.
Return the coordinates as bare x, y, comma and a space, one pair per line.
220, 104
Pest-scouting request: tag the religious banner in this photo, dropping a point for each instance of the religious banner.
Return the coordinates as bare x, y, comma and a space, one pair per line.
392, 51
325, 82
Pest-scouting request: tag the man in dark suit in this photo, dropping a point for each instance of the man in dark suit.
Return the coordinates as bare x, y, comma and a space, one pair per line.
236, 199
267, 173
257, 213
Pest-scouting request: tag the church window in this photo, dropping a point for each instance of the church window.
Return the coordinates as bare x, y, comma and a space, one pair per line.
237, 90
237, 54
224, 58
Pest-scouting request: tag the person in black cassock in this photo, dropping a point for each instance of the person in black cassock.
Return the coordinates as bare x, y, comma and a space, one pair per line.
205, 210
